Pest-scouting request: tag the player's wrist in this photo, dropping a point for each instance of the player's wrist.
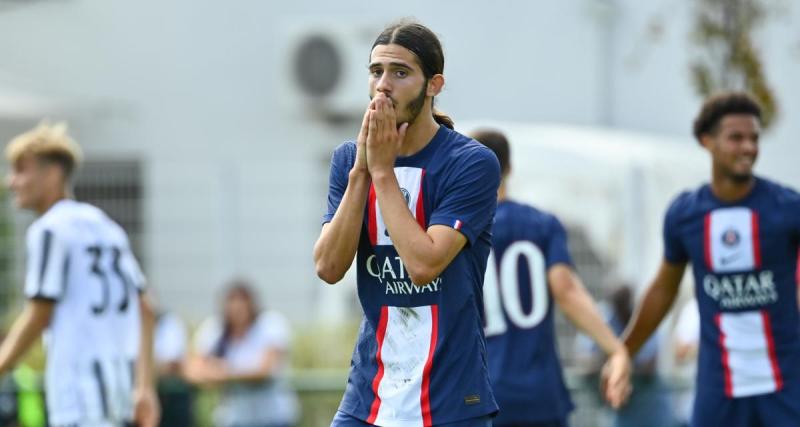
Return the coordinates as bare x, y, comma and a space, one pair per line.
383, 176
358, 174
619, 349
629, 346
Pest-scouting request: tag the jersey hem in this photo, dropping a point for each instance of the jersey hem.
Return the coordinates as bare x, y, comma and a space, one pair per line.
40, 297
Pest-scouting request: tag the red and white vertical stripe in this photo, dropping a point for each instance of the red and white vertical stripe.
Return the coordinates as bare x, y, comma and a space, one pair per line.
749, 361
406, 346
411, 180
731, 240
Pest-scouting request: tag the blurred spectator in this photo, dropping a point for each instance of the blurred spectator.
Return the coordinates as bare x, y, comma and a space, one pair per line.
245, 353
169, 350
686, 338
649, 403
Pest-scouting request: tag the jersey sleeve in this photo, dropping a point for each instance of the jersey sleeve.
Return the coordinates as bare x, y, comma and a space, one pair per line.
557, 251
341, 162
47, 265
674, 249
130, 268
795, 210
470, 194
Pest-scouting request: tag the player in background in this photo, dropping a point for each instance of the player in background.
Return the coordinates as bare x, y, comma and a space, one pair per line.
84, 286
529, 268
741, 234
412, 201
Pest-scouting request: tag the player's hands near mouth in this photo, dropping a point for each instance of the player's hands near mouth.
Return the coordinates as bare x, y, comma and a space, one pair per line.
615, 378
360, 165
384, 138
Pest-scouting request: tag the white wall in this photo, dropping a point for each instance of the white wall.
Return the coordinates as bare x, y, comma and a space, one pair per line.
236, 181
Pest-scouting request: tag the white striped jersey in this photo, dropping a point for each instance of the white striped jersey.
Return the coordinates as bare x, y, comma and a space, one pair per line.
744, 259
81, 259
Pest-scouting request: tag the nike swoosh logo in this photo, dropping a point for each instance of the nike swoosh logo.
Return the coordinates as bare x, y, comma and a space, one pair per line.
725, 260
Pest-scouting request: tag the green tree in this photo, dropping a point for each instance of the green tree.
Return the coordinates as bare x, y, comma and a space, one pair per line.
727, 58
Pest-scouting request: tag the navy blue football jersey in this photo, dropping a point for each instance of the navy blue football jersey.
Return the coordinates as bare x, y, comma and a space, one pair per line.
744, 258
523, 360
420, 357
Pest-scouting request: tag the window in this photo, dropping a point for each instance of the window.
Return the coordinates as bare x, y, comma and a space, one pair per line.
115, 186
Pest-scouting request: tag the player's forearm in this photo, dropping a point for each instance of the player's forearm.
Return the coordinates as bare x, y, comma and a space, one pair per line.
338, 243
422, 259
580, 309
651, 311
24, 332
145, 371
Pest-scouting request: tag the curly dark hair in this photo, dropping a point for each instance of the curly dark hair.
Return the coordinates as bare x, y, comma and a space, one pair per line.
718, 106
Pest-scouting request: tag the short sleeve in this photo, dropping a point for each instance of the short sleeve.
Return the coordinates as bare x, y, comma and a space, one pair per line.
470, 194
674, 249
795, 212
557, 251
207, 336
47, 265
274, 330
130, 268
341, 162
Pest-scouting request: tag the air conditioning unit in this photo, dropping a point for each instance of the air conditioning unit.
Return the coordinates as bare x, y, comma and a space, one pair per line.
325, 68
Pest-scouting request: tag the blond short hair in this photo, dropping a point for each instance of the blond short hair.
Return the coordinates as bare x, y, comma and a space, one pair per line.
49, 143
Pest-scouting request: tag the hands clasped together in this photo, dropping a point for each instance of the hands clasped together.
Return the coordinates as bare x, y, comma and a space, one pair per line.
615, 378
380, 139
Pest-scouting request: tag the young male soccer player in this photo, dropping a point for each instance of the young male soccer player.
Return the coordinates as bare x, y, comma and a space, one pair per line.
84, 285
741, 234
413, 201
530, 267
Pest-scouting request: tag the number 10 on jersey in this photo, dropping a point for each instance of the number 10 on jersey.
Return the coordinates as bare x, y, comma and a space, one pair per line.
501, 292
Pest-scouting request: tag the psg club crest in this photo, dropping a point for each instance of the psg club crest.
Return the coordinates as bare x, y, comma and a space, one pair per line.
730, 238
406, 196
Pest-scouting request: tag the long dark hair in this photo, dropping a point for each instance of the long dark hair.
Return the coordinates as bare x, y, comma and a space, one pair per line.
426, 47
243, 289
